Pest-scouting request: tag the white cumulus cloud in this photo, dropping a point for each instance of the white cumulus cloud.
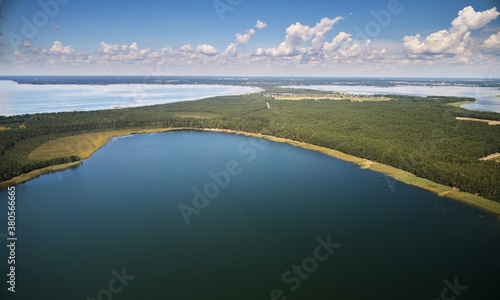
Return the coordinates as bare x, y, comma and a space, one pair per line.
308, 44
305, 50
296, 36
57, 54
125, 53
206, 50
454, 42
58, 48
492, 44
241, 39
473, 20
260, 25
187, 48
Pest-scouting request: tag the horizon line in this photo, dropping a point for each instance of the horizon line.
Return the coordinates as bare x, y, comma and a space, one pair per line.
257, 76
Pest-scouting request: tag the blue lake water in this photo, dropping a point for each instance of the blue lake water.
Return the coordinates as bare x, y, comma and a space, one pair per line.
18, 99
264, 218
487, 100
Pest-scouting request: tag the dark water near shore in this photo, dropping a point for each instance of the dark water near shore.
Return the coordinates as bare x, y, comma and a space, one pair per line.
273, 206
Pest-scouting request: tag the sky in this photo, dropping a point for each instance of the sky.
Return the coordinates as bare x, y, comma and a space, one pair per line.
356, 38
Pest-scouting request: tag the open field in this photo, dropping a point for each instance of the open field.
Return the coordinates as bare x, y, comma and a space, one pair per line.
346, 97
197, 115
83, 145
490, 122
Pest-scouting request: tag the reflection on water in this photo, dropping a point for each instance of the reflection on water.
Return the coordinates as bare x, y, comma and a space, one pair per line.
487, 100
16, 99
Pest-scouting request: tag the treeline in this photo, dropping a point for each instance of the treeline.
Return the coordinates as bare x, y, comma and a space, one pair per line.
419, 135
479, 115
30, 131
267, 82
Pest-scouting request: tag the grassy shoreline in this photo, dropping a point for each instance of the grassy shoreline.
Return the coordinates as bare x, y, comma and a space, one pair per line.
36, 173
459, 104
490, 122
100, 139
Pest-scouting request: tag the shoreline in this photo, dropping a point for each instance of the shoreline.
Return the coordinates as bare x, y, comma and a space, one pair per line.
490, 122
400, 175
38, 172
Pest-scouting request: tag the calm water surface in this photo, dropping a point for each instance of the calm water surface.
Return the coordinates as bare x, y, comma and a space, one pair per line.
120, 209
18, 99
487, 100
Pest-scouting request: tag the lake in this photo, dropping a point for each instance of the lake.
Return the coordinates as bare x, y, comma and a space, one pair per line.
16, 99
203, 215
487, 100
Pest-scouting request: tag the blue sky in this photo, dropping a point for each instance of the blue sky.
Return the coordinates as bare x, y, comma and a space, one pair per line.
142, 37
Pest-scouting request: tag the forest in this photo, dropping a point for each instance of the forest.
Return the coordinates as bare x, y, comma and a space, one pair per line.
416, 134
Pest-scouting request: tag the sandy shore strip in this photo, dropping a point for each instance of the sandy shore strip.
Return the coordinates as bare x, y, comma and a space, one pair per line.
400, 175
490, 122
495, 156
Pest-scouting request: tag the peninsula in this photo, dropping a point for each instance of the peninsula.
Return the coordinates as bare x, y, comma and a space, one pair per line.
417, 140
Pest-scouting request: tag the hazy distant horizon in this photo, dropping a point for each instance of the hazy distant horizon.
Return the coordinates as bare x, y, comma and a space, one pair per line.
7, 76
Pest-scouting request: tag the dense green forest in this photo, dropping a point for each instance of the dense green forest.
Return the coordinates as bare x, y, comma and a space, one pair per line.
416, 134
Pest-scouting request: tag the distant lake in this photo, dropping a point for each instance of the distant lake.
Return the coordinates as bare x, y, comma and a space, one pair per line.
354, 233
18, 99
487, 96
